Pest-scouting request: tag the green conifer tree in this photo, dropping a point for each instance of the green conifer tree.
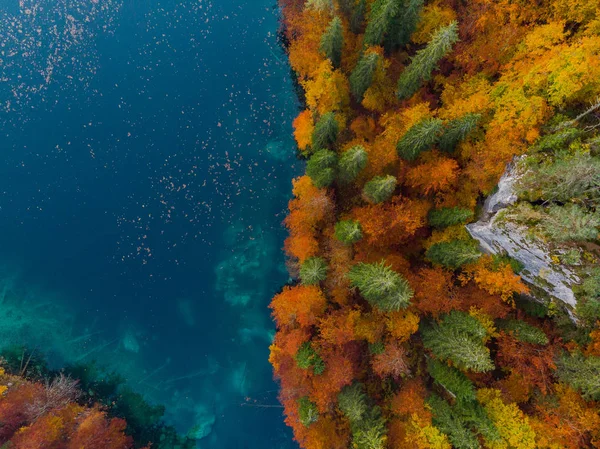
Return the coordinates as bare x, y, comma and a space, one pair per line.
403, 25
382, 17
457, 130
357, 19
448, 216
351, 163
581, 373
450, 423
453, 254
381, 286
321, 168
332, 42
326, 132
348, 231
307, 411
313, 270
458, 340
426, 60
525, 332
420, 137
379, 189
353, 403
361, 77
452, 380
307, 358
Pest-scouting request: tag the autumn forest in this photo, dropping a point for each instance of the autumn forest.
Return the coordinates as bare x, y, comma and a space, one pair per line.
404, 329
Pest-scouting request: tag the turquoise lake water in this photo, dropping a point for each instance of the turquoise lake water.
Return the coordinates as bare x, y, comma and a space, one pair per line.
147, 163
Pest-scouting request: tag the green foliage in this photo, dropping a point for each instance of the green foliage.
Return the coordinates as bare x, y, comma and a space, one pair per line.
570, 222
351, 163
525, 332
453, 254
320, 5
357, 19
361, 77
321, 168
450, 423
457, 130
307, 358
426, 60
474, 415
383, 14
377, 348
457, 338
568, 176
588, 295
307, 411
500, 260
353, 403
581, 373
448, 216
381, 286
313, 270
379, 189
332, 42
371, 435
557, 141
420, 137
348, 231
326, 132
452, 380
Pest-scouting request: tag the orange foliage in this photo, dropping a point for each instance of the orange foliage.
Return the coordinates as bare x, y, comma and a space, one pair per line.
339, 372
391, 362
436, 174
303, 129
337, 328
97, 432
302, 304
496, 281
434, 292
402, 324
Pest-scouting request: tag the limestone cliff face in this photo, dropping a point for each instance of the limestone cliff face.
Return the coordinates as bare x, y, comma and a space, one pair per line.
547, 279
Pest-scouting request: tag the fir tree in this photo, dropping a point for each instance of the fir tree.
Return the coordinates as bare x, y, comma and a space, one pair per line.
307, 411
457, 339
474, 415
525, 332
361, 77
450, 423
581, 373
452, 380
348, 231
381, 286
332, 42
453, 254
420, 137
307, 358
351, 163
403, 25
383, 14
448, 216
379, 189
352, 401
357, 19
326, 132
457, 130
313, 270
426, 60
321, 168
465, 323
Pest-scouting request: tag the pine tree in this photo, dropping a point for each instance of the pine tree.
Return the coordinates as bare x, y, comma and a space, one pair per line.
313, 270
332, 42
525, 332
457, 339
361, 77
383, 14
307, 411
448, 216
581, 373
453, 254
445, 419
352, 401
379, 189
357, 19
351, 163
348, 231
457, 130
403, 25
326, 132
307, 358
381, 286
420, 137
426, 60
452, 380
321, 168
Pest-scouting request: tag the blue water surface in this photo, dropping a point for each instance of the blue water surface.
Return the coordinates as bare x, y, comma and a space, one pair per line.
146, 166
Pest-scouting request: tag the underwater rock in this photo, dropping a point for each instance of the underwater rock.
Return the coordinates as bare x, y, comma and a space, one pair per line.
205, 420
547, 279
130, 342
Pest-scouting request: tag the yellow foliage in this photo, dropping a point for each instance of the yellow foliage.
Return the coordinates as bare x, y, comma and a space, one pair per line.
402, 324
328, 91
433, 17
